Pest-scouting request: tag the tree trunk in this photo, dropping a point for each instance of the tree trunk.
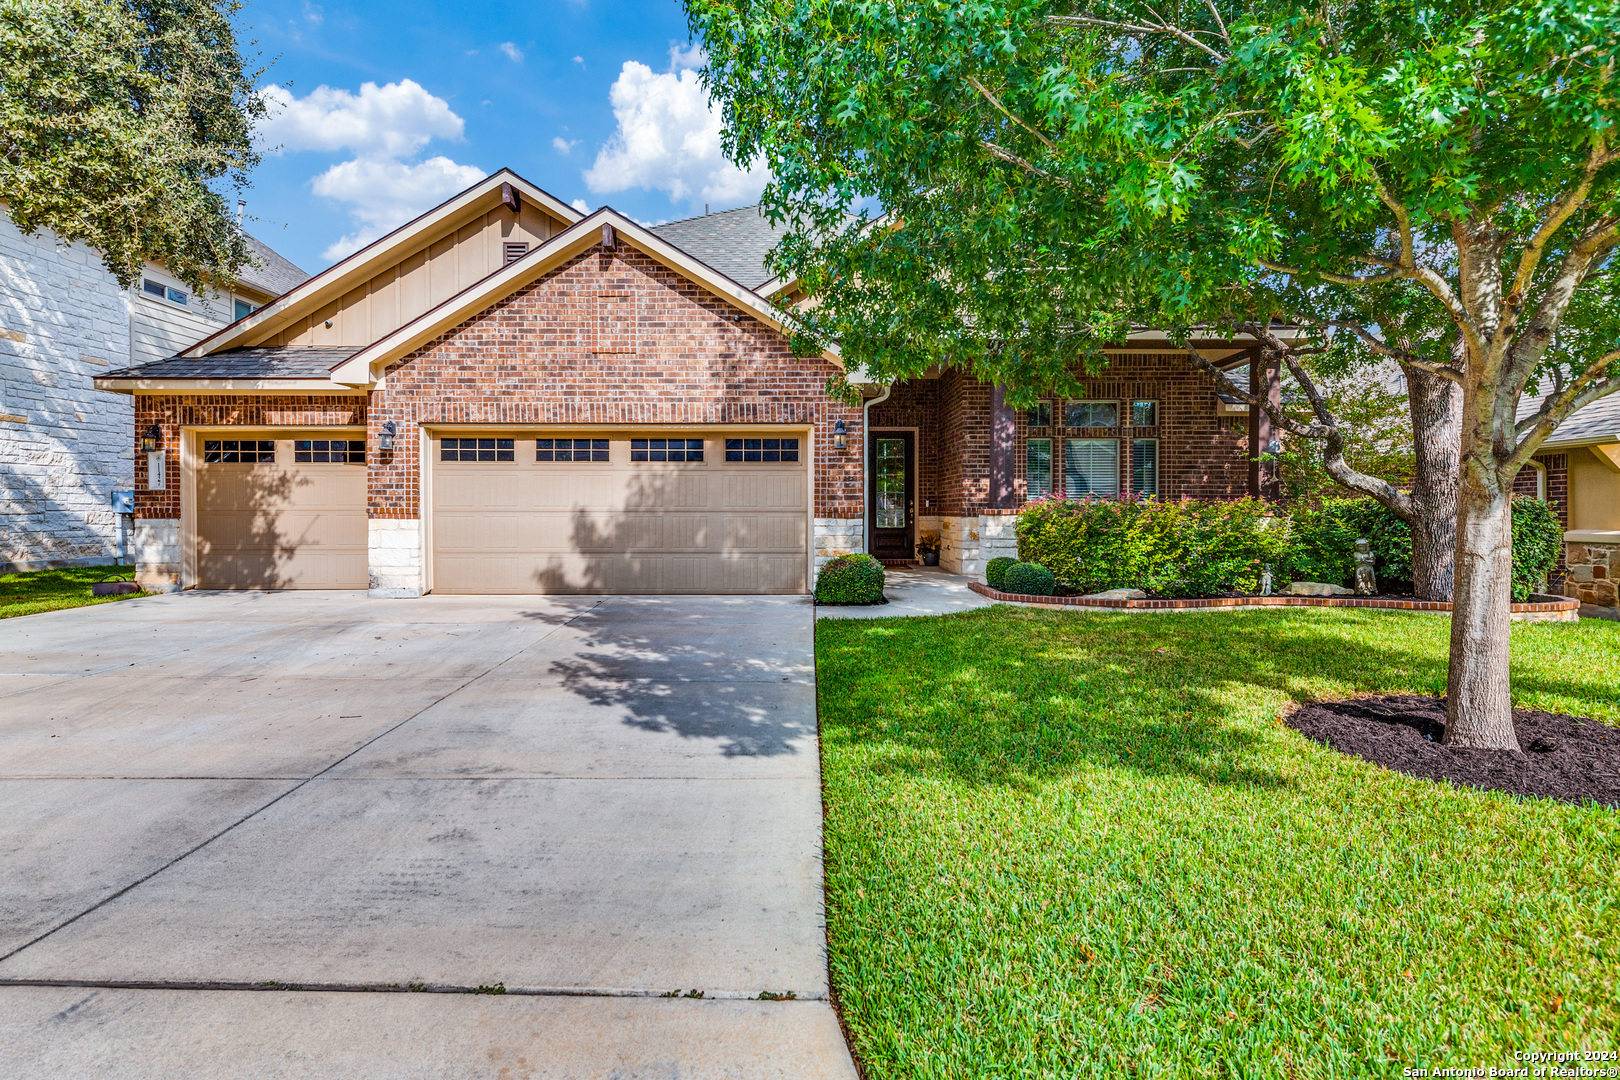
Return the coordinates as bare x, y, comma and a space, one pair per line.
1479, 708
1436, 407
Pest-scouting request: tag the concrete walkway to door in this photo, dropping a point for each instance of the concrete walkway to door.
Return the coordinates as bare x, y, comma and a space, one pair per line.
607, 807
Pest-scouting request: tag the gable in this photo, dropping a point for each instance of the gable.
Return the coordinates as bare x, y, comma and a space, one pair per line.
393, 280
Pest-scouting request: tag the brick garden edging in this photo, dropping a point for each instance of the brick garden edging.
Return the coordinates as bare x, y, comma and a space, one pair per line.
1549, 608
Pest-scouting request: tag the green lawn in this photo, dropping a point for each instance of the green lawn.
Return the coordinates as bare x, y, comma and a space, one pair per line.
49, 590
1084, 845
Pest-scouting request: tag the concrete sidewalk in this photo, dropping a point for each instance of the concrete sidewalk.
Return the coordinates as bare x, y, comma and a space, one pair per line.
921, 590
591, 803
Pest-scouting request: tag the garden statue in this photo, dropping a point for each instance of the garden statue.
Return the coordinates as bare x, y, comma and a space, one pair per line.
1265, 581
1366, 581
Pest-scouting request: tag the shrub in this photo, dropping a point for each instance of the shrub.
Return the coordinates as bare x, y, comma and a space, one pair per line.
850, 579
1537, 539
1187, 548
995, 571
1029, 579
1324, 539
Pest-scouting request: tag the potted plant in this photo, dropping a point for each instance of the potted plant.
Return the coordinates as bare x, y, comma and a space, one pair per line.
928, 548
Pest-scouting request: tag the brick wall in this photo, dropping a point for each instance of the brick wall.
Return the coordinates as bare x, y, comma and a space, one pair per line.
964, 468
171, 412
531, 360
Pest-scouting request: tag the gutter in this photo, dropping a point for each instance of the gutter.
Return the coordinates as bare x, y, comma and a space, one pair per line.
866, 458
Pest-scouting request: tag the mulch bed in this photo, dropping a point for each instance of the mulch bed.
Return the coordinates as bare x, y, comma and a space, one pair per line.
1564, 757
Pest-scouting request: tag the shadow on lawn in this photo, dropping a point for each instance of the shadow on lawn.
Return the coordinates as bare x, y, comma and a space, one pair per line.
1014, 697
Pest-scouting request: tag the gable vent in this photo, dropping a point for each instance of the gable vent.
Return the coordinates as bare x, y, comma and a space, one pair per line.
514, 250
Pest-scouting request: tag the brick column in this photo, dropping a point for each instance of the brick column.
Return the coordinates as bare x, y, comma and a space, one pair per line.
1003, 465
1265, 380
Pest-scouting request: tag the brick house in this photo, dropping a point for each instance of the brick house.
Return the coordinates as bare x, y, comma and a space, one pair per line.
506, 395
1578, 472
64, 444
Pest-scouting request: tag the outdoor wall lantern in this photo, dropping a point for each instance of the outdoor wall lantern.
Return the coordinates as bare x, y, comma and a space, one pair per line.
385, 440
152, 440
840, 436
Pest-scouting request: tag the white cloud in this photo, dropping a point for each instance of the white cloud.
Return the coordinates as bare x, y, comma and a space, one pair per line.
562, 145
513, 53
581, 205
668, 138
383, 195
389, 121
580, 60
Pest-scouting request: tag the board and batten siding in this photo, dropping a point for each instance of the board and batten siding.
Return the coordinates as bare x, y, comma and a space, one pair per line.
421, 280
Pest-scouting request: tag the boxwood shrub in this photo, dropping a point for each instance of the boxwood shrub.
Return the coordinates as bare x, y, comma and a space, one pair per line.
1029, 579
850, 579
995, 571
1186, 548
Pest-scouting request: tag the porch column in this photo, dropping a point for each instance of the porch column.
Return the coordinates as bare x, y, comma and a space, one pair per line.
1265, 380
1003, 491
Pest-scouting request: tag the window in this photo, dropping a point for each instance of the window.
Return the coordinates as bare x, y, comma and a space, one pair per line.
163, 292
1144, 414
1039, 414
243, 308
666, 449
1090, 467
762, 449
477, 450
239, 451
513, 250
333, 451
570, 450
1082, 414
1038, 468
1144, 466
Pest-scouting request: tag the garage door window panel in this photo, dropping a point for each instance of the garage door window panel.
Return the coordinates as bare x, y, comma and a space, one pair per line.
477, 450
762, 450
666, 449
581, 450
329, 451
239, 451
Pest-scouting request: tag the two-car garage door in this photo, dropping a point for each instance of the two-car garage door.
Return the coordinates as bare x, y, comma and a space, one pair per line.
653, 512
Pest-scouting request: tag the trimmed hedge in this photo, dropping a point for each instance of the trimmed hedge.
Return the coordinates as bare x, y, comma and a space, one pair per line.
995, 571
1191, 548
1537, 540
1203, 548
850, 579
1029, 579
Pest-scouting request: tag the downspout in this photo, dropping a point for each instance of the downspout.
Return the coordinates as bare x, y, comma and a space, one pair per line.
866, 458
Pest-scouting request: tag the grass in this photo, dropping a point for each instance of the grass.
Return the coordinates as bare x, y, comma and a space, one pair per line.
51, 590
1065, 845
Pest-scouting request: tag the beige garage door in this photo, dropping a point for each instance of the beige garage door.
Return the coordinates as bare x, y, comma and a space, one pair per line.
282, 512
660, 512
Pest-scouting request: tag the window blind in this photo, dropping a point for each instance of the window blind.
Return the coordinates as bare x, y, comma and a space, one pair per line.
1090, 467
1145, 467
1038, 467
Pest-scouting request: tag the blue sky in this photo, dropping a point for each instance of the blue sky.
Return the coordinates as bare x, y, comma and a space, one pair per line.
382, 110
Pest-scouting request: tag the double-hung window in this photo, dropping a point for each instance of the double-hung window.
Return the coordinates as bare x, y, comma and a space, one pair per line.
1090, 467
1144, 466
1038, 468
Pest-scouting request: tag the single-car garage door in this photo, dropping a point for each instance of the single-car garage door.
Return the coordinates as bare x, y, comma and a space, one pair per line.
654, 512
281, 512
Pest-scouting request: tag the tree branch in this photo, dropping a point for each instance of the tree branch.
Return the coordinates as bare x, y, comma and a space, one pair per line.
1564, 401
1007, 155
1527, 350
1561, 211
1134, 28
992, 99
1404, 356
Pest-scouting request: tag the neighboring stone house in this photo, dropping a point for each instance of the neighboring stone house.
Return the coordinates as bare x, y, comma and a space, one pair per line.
507, 396
1578, 471
64, 445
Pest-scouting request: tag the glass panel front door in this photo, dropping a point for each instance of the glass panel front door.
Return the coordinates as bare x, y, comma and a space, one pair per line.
890, 484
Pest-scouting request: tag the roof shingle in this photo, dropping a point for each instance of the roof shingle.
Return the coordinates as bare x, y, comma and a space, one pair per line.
271, 362
274, 274
734, 242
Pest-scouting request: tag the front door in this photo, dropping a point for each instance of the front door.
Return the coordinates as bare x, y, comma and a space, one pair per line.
893, 510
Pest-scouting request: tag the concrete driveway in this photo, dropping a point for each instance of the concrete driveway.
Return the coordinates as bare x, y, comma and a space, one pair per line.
607, 807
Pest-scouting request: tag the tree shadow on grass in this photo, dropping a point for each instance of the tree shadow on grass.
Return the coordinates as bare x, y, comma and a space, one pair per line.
1017, 697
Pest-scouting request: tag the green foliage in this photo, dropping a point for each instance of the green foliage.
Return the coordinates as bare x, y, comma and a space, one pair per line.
1029, 579
1059, 840
1323, 542
850, 579
1187, 548
995, 571
1537, 539
117, 118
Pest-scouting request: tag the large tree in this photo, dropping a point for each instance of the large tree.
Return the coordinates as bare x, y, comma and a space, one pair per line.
120, 120
1428, 183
